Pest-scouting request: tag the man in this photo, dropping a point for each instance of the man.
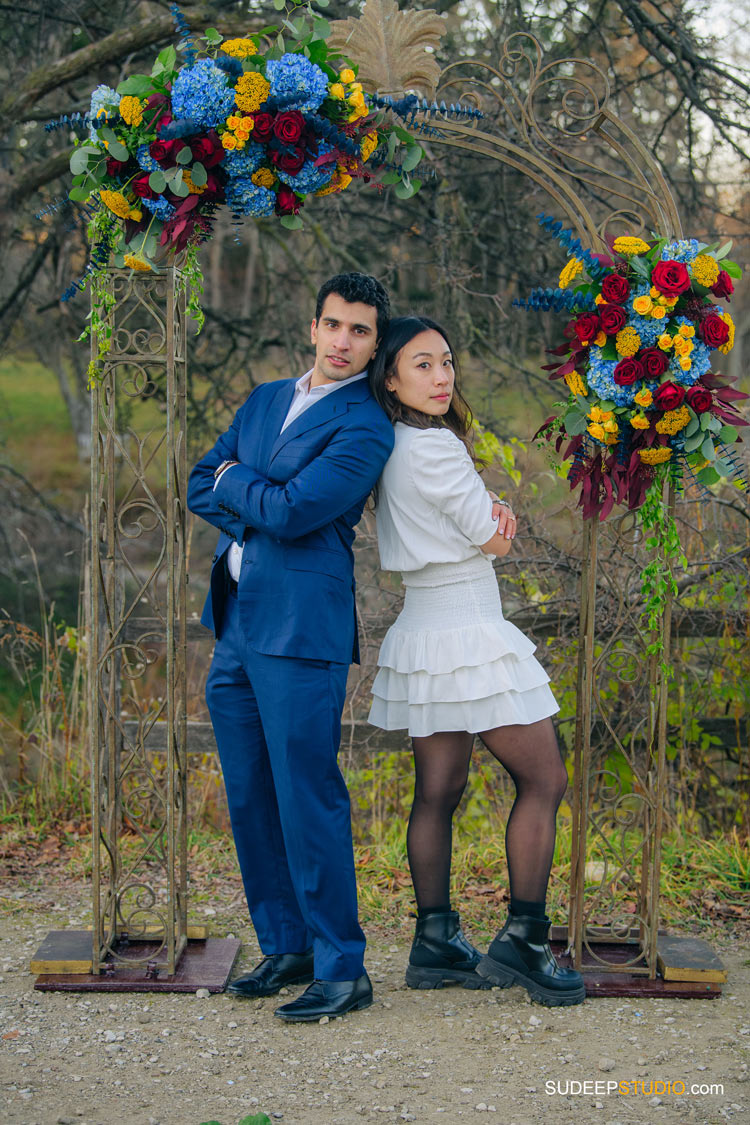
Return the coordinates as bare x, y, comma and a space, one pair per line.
286, 485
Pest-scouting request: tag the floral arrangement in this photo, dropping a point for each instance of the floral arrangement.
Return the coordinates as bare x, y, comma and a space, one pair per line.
637, 362
257, 124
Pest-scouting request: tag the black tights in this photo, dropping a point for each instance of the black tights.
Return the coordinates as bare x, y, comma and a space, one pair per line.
531, 756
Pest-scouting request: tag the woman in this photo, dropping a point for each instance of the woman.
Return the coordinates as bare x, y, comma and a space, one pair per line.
451, 667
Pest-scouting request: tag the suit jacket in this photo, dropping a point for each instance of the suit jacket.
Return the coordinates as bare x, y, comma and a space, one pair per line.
294, 501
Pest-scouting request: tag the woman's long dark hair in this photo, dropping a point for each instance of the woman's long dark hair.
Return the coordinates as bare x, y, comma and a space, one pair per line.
400, 331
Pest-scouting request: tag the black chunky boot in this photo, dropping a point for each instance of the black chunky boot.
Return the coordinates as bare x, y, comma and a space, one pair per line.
520, 954
440, 953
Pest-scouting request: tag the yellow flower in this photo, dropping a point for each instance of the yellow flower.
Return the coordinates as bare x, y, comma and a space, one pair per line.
264, 177
243, 134
642, 305
337, 91
601, 338
570, 270
686, 362
369, 144
347, 75
575, 383
665, 341
251, 90
239, 48
596, 431
644, 397
187, 179
639, 422
596, 414
357, 100
627, 341
726, 348
628, 245
116, 202
687, 330
599, 300
682, 346
136, 214
611, 426
131, 110
658, 312
135, 262
673, 421
705, 270
655, 456
233, 121
339, 181
229, 141
670, 302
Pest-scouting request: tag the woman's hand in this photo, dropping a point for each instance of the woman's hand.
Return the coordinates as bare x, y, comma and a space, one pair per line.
500, 543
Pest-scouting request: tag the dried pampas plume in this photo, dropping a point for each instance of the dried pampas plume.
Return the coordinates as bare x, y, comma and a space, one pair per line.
390, 47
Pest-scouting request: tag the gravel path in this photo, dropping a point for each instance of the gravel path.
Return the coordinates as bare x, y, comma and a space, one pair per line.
94, 1059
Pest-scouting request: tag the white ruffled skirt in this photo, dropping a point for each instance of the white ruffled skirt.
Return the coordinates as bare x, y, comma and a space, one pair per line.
452, 662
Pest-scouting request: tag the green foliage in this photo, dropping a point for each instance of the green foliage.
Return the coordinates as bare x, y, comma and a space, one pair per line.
657, 579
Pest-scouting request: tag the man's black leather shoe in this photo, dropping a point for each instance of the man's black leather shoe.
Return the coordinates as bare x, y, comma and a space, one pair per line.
273, 973
328, 998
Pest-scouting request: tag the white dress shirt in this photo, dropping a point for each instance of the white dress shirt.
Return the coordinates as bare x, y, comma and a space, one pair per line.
304, 397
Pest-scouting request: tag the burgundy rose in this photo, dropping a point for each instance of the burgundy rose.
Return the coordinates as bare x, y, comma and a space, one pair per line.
288, 126
699, 398
165, 152
714, 331
654, 361
286, 201
670, 278
207, 150
612, 318
114, 167
140, 186
263, 128
587, 328
723, 286
615, 288
627, 372
292, 161
668, 396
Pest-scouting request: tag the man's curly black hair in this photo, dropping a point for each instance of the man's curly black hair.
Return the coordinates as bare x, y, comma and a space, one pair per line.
358, 287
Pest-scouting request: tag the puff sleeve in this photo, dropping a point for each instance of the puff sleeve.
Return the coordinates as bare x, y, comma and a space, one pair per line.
444, 475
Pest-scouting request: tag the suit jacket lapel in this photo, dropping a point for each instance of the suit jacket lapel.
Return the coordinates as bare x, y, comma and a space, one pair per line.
274, 419
337, 402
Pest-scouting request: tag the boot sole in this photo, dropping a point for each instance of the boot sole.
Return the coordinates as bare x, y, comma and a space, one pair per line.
418, 977
301, 1017
504, 977
306, 978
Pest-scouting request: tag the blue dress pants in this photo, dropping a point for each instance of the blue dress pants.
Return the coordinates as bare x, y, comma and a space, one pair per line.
277, 722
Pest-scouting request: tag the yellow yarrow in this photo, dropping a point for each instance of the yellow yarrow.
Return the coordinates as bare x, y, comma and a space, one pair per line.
644, 397
339, 181
656, 456
251, 90
131, 110
135, 262
347, 75
116, 202
665, 341
643, 305
570, 270
627, 245
726, 348
239, 48
705, 270
639, 422
369, 144
575, 383
673, 421
264, 177
627, 341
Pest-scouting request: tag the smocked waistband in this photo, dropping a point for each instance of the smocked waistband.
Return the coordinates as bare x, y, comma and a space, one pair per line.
444, 574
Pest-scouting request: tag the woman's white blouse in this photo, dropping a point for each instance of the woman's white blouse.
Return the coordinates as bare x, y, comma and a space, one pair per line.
432, 506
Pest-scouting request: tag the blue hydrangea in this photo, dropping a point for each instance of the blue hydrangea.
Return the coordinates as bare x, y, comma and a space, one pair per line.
701, 363
600, 378
160, 207
681, 250
244, 161
102, 98
296, 83
310, 178
246, 198
202, 93
146, 160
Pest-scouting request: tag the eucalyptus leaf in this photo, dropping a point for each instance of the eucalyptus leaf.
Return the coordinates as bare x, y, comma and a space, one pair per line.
714, 425
157, 181
322, 3
179, 187
575, 423
692, 427
404, 190
693, 442
79, 160
728, 433
79, 194
184, 156
412, 157
117, 150
106, 133
391, 178
708, 475
416, 184
198, 174
722, 468
291, 222
707, 449
392, 142
704, 421
279, 5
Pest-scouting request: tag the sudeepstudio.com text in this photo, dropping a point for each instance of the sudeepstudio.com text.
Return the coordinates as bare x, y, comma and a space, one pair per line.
634, 1087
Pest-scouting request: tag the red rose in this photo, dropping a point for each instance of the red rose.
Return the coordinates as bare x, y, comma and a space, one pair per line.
668, 396
724, 285
114, 167
292, 161
141, 187
612, 318
670, 278
263, 128
699, 398
714, 331
286, 201
165, 152
627, 372
207, 150
288, 126
587, 328
654, 361
615, 288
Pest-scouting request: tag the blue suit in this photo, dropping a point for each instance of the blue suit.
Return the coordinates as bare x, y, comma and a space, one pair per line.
285, 640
